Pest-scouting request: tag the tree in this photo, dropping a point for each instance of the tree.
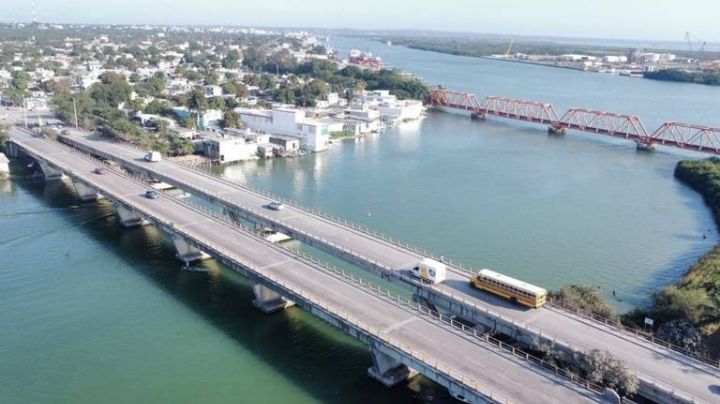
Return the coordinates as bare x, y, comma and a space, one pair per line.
586, 298
197, 102
602, 368
20, 80
211, 78
241, 90
228, 87
230, 61
690, 304
317, 88
157, 107
4, 137
217, 103
111, 91
267, 82
251, 79
230, 120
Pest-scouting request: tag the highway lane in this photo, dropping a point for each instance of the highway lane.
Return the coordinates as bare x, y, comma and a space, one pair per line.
652, 363
505, 375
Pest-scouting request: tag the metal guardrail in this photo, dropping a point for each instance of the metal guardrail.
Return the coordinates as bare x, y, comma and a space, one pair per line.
379, 291
714, 362
444, 290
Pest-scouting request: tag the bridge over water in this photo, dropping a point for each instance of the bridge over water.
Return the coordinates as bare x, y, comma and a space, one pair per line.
665, 373
403, 337
671, 134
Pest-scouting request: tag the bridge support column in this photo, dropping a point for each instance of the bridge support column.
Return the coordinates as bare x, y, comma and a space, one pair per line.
556, 130
234, 217
12, 151
644, 146
188, 253
424, 301
129, 218
388, 370
269, 301
85, 193
51, 173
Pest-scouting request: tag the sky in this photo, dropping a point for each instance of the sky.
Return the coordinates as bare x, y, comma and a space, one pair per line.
666, 20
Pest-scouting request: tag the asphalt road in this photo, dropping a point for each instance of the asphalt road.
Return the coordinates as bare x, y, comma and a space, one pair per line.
492, 369
653, 364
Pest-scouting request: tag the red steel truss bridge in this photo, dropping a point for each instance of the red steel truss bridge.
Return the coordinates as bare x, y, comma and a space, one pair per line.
672, 134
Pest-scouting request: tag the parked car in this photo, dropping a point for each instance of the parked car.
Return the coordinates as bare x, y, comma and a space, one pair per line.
151, 194
100, 171
275, 206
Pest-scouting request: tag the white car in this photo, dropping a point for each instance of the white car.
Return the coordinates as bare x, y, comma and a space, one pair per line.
275, 206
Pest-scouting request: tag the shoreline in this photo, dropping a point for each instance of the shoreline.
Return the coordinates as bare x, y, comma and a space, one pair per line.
695, 297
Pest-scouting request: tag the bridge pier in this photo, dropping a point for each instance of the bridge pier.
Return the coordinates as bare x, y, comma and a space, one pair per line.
388, 370
234, 217
556, 130
268, 300
129, 218
188, 253
51, 173
423, 301
12, 151
644, 146
85, 193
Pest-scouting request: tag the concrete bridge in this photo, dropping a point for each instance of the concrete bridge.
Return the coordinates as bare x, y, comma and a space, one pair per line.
404, 338
666, 375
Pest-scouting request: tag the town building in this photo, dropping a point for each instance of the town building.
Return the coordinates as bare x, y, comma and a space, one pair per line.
228, 149
313, 135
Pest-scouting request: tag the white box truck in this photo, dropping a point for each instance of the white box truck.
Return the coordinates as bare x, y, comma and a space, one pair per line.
153, 156
430, 270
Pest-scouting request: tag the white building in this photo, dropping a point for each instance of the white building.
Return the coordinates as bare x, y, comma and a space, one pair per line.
210, 119
614, 59
213, 91
400, 111
391, 110
229, 149
313, 135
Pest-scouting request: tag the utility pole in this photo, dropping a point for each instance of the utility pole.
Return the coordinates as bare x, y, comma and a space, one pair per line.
77, 127
25, 112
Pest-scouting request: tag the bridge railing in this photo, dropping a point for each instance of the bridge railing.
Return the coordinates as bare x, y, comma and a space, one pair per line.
635, 332
448, 320
458, 377
446, 291
407, 303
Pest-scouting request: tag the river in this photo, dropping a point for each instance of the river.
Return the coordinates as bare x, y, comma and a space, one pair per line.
92, 312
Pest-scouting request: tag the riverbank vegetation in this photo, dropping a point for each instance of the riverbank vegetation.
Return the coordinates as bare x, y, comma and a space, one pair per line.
4, 137
482, 47
688, 312
586, 298
682, 76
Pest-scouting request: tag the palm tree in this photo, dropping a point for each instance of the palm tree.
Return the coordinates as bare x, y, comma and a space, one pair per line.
196, 102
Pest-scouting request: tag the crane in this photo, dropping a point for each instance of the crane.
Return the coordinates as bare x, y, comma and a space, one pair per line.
690, 39
509, 48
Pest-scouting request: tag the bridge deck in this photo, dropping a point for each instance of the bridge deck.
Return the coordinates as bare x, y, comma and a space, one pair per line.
504, 375
652, 363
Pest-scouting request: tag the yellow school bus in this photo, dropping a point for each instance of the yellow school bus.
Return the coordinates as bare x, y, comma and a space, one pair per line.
510, 288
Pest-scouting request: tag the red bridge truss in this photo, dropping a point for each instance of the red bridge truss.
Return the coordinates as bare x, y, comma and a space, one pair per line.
607, 123
673, 134
687, 136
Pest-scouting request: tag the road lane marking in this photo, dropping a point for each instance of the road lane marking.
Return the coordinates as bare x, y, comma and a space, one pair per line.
276, 264
400, 324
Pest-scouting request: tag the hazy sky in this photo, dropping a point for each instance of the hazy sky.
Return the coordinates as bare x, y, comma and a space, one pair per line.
634, 19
